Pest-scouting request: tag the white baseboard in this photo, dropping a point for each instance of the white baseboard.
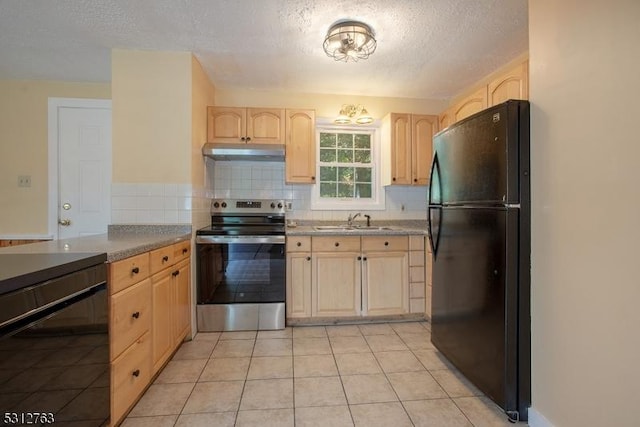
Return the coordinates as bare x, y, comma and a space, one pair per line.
536, 419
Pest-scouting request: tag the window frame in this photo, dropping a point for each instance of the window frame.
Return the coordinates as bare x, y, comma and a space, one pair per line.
377, 201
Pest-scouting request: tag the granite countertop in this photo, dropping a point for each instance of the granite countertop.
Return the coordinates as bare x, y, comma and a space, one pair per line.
396, 228
27, 265
121, 241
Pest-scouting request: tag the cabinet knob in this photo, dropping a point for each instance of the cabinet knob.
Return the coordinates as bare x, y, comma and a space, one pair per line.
184, 251
243, 139
364, 259
337, 244
136, 373
135, 270
386, 243
136, 315
308, 258
359, 258
393, 179
313, 178
165, 258
175, 273
299, 244
415, 179
248, 138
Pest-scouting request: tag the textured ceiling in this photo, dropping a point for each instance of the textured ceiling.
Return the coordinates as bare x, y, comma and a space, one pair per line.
426, 48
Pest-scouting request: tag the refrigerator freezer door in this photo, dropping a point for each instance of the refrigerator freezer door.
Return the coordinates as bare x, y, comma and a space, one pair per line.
478, 158
474, 299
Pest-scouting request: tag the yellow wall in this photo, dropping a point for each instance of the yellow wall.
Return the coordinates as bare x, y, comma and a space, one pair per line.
584, 68
202, 95
326, 105
24, 149
151, 93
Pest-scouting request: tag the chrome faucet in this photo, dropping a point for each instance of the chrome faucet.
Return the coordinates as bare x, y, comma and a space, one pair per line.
351, 218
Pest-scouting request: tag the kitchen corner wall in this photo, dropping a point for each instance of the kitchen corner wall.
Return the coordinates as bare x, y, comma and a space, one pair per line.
265, 180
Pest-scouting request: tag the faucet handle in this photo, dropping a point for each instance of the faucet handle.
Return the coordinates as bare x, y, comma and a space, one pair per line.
368, 220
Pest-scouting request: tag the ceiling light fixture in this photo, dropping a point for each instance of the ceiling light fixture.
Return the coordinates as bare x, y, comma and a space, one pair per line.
349, 111
349, 41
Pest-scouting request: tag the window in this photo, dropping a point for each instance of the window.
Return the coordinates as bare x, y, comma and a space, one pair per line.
347, 167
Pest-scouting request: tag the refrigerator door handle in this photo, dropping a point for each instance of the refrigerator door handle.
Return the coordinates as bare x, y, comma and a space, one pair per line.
434, 237
435, 172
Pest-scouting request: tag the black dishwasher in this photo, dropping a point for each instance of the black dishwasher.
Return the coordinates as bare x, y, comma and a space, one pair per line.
54, 342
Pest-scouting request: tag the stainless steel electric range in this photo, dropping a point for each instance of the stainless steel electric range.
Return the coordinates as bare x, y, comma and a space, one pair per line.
241, 266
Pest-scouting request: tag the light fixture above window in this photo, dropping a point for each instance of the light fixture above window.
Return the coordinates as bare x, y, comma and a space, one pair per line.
349, 111
349, 41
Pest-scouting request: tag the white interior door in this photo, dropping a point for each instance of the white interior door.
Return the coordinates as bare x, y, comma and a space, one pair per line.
84, 169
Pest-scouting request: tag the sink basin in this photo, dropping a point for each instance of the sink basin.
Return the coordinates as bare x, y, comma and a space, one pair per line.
333, 228
349, 228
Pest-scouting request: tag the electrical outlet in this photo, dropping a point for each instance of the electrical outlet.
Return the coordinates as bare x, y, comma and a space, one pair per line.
24, 181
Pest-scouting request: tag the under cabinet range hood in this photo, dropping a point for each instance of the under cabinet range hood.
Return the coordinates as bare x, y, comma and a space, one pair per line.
252, 152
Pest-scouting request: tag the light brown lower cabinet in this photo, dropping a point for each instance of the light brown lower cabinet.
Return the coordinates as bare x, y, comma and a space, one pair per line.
347, 276
150, 315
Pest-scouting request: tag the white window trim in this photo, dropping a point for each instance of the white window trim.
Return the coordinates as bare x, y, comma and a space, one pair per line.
377, 202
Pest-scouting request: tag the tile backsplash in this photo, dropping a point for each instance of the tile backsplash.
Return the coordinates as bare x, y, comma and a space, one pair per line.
151, 203
265, 180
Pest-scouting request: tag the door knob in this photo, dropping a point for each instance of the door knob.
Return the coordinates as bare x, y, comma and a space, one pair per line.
64, 222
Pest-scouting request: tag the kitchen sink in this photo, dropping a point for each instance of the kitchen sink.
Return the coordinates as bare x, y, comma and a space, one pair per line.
334, 227
346, 227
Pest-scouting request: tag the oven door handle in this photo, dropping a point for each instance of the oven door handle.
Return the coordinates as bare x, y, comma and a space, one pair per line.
238, 240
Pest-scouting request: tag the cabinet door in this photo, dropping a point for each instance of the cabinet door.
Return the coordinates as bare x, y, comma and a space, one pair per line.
161, 328
400, 149
385, 283
130, 316
472, 104
513, 84
335, 284
446, 118
300, 154
299, 284
423, 128
181, 301
226, 124
265, 126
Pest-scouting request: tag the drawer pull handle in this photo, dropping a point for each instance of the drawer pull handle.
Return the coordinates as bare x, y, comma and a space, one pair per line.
136, 373
337, 244
136, 315
135, 270
386, 243
175, 273
299, 244
184, 251
165, 258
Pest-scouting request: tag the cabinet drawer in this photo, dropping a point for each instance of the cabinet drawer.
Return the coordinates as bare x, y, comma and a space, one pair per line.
385, 243
299, 244
162, 258
182, 250
130, 374
130, 316
335, 244
128, 271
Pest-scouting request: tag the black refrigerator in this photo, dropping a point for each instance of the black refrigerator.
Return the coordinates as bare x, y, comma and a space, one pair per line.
480, 234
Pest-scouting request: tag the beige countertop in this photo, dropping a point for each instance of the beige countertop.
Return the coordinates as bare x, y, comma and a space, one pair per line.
120, 242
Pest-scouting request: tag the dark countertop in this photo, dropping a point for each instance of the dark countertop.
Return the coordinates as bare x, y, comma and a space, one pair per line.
26, 265
27, 269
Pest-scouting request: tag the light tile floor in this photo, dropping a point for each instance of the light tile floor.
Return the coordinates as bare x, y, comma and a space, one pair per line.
386, 374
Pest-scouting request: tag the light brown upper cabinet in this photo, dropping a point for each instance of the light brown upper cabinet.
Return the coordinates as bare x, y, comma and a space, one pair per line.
513, 84
300, 151
407, 148
470, 105
510, 83
234, 125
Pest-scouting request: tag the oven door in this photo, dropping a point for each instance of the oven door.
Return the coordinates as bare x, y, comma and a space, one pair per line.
241, 269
